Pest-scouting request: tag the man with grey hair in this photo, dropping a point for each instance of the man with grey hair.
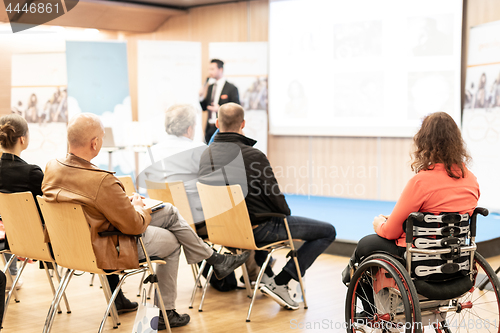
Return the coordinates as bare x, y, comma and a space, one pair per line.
75, 179
177, 156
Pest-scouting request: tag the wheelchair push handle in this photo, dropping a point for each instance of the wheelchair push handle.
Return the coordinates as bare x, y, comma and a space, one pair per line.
473, 227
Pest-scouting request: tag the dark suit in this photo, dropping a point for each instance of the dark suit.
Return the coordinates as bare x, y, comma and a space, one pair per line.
228, 94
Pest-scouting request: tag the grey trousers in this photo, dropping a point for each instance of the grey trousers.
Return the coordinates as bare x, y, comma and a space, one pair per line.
163, 238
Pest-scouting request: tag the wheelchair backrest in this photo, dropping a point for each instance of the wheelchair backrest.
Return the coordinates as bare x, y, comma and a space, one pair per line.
441, 246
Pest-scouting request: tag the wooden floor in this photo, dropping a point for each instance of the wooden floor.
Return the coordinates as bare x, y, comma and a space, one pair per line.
223, 312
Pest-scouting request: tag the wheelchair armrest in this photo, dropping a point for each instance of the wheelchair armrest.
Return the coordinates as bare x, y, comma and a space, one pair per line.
258, 215
114, 233
473, 227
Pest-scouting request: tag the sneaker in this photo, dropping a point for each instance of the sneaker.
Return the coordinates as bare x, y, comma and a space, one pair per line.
230, 263
174, 319
266, 279
280, 294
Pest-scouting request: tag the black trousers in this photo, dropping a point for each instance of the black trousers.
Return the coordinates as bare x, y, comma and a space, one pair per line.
374, 243
3, 285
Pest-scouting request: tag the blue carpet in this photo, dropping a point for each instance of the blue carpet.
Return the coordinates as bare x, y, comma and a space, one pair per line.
353, 218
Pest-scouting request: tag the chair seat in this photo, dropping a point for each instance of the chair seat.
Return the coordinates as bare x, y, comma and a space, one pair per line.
442, 290
154, 260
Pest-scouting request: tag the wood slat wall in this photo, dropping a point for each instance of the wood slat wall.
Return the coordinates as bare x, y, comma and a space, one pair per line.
379, 167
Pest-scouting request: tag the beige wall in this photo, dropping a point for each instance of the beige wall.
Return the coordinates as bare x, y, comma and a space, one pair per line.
369, 168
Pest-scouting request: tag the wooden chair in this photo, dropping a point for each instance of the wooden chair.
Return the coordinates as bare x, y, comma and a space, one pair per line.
228, 224
128, 183
175, 193
26, 237
70, 238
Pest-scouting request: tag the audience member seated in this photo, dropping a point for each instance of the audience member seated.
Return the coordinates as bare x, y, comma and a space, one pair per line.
231, 159
75, 179
442, 184
15, 174
18, 176
177, 157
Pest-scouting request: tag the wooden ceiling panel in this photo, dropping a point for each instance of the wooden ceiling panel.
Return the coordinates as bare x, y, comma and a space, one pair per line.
112, 16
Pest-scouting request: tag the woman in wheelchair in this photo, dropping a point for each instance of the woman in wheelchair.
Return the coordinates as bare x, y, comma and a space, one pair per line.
420, 268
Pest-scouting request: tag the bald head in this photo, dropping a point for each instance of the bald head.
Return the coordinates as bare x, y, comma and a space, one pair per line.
83, 129
231, 117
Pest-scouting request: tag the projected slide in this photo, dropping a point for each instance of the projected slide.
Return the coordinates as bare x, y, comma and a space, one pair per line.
362, 68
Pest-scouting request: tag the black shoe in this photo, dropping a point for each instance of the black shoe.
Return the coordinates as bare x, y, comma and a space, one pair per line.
123, 304
174, 319
230, 263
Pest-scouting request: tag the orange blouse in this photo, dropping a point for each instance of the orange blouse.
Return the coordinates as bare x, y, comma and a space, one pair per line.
431, 191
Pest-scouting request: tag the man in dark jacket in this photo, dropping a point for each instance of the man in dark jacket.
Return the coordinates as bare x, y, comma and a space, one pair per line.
231, 159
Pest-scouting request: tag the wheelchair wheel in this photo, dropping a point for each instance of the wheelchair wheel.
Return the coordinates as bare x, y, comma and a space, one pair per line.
382, 298
479, 309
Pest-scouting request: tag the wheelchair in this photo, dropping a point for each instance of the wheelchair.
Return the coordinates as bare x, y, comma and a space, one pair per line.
441, 285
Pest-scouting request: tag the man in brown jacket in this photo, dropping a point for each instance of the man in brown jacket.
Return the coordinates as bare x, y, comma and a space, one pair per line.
107, 208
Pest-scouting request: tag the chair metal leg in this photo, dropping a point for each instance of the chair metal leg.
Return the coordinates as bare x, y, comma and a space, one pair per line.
140, 284
92, 276
51, 285
150, 291
209, 276
110, 308
301, 282
13, 288
257, 283
197, 282
9, 277
194, 269
246, 278
58, 277
157, 288
55, 302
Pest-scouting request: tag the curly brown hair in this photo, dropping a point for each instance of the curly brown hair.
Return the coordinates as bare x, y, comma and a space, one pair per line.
439, 140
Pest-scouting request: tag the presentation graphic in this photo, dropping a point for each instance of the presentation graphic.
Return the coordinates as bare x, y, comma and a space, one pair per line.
26, 14
362, 68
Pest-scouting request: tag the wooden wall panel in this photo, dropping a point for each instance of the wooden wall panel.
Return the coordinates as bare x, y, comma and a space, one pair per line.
259, 21
5, 77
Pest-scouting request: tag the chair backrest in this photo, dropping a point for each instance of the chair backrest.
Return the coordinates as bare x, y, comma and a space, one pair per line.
128, 183
446, 232
174, 193
23, 226
69, 235
226, 216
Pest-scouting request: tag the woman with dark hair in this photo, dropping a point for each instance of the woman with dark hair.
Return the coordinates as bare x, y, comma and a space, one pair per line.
442, 184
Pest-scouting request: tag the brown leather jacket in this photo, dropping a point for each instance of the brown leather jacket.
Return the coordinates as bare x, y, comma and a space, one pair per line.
105, 204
